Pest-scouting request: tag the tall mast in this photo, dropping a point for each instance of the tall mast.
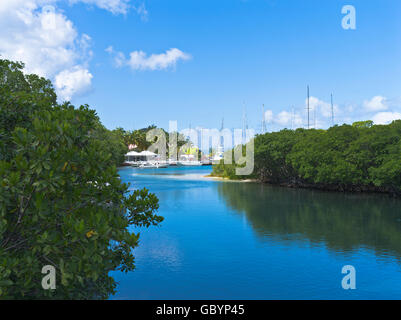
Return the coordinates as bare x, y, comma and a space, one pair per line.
221, 149
314, 116
332, 110
243, 124
246, 121
263, 120
292, 118
308, 107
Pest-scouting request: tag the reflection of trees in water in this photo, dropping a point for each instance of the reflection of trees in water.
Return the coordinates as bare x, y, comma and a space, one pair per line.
342, 221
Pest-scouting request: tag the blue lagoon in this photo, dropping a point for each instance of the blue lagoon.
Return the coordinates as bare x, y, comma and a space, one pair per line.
235, 240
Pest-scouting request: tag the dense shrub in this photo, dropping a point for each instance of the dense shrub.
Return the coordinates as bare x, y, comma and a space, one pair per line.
61, 200
359, 157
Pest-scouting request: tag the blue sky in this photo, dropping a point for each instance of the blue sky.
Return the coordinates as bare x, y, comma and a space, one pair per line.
230, 53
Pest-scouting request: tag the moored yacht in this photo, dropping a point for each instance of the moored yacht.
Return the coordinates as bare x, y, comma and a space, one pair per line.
189, 163
156, 165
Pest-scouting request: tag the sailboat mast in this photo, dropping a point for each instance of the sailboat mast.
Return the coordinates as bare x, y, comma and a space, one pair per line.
308, 107
332, 110
244, 124
292, 118
263, 120
314, 116
221, 148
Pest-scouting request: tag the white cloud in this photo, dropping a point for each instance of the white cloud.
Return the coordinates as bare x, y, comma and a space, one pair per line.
268, 116
71, 82
288, 119
322, 108
284, 119
377, 103
34, 32
38, 34
139, 60
142, 12
386, 117
346, 113
114, 6
109, 49
320, 112
119, 58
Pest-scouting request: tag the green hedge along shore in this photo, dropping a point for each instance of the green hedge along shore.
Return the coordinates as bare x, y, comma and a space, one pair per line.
361, 157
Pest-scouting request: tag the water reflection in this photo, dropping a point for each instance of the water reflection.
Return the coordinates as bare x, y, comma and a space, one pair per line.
342, 222
162, 250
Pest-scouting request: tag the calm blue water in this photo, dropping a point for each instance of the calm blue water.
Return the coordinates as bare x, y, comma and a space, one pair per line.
233, 240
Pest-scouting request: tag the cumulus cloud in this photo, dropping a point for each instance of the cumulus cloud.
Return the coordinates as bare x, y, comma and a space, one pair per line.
320, 113
34, 32
268, 116
284, 119
71, 82
289, 119
38, 34
386, 117
377, 103
139, 60
322, 108
114, 6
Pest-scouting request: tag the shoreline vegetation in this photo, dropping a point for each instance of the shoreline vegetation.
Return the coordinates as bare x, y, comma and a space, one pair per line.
226, 179
361, 157
62, 202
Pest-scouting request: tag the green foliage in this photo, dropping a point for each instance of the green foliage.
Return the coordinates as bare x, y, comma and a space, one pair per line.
61, 200
225, 171
340, 222
138, 138
229, 170
113, 143
361, 157
363, 124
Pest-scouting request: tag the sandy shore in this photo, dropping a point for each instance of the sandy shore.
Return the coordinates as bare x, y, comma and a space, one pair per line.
227, 179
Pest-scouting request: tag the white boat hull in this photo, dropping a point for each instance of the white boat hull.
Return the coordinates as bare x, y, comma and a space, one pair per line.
154, 165
190, 163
